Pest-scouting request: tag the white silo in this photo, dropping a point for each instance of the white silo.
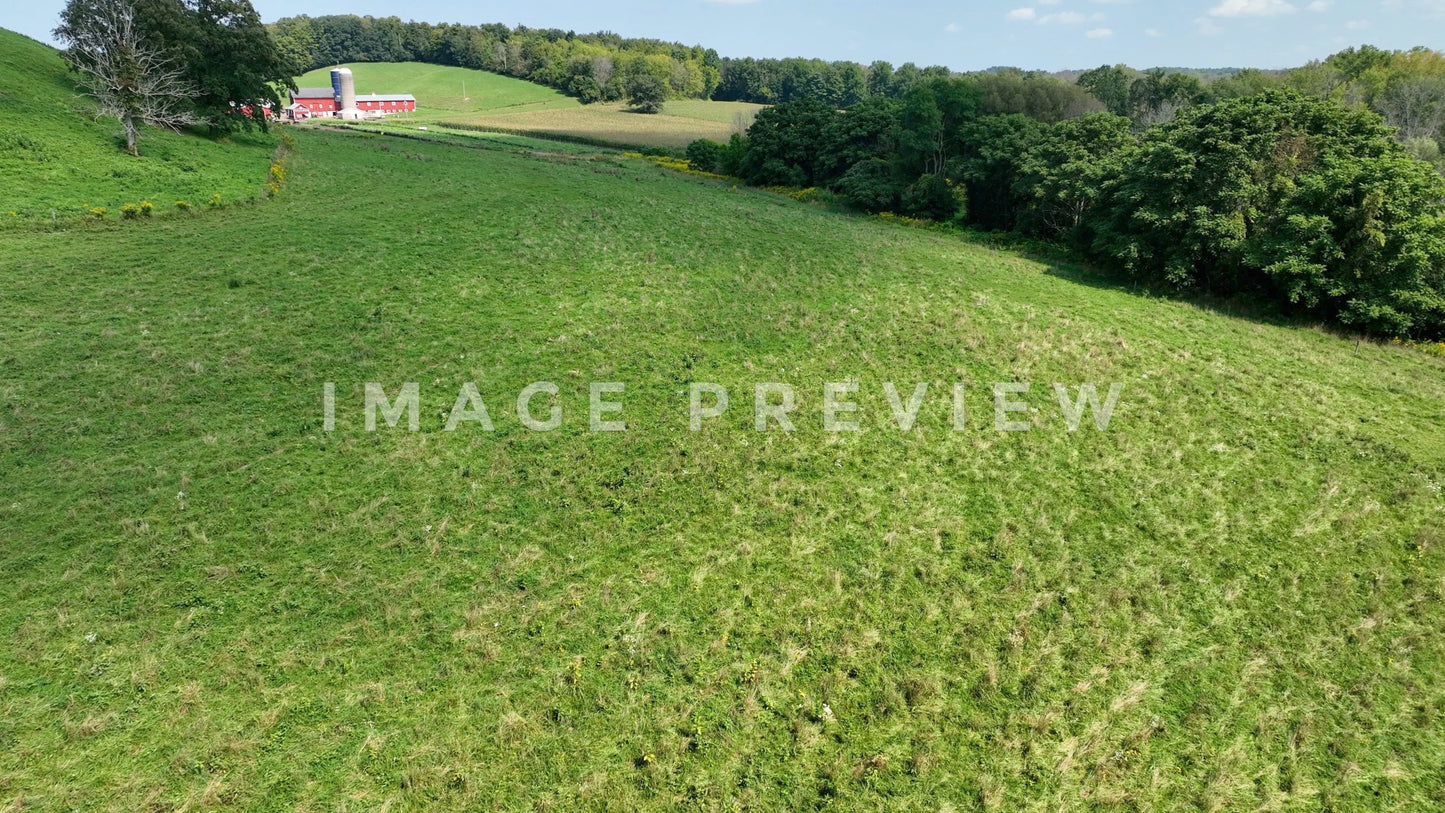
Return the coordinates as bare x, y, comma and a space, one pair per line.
343, 84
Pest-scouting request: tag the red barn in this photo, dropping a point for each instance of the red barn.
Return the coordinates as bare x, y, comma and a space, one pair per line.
322, 103
317, 102
387, 104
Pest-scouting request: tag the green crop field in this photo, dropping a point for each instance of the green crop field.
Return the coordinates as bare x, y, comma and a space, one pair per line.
54, 156
680, 123
729, 113
1231, 599
443, 90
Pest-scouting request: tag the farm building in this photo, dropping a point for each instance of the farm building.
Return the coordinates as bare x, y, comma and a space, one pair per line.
340, 101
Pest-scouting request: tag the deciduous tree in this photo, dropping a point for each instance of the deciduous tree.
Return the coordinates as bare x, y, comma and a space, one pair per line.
646, 93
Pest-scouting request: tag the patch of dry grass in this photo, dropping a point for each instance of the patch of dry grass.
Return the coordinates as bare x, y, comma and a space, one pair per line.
680, 123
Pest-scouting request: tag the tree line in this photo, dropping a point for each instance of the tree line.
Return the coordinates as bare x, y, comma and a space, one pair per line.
1309, 203
608, 67
592, 67
1407, 88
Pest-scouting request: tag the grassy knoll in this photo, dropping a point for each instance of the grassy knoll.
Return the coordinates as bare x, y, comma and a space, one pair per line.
54, 154
1231, 600
439, 89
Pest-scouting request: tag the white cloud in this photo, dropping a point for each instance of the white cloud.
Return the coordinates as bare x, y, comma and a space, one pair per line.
1207, 27
1153, 32
1099, 33
1252, 8
953, 28
1062, 18
1031, 15
1321, 6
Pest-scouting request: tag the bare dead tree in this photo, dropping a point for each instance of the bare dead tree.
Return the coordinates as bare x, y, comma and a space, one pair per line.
131, 81
1416, 107
602, 68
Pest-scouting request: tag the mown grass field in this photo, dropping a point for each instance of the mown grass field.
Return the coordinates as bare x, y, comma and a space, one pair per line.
1230, 600
444, 91
58, 160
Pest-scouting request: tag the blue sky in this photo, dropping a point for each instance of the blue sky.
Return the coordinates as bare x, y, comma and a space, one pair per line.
1045, 34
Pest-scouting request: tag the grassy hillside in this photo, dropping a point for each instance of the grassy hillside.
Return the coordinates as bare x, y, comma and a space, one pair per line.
54, 154
1230, 600
439, 89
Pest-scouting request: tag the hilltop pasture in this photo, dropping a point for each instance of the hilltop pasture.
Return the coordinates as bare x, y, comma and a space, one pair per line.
505, 105
446, 90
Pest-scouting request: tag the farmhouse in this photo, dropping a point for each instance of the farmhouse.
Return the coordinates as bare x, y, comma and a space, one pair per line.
340, 101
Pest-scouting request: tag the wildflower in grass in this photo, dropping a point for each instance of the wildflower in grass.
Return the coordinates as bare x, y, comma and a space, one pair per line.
129, 211
182, 205
146, 207
96, 212
215, 201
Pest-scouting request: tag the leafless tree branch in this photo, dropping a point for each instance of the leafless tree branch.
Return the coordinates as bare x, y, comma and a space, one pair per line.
131, 81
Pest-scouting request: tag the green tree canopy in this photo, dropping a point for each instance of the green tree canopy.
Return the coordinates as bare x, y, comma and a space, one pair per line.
1299, 200
646, 93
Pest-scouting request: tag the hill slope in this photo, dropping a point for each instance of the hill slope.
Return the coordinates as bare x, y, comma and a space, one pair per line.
54, 154
439, 89
1230, 600
513, 105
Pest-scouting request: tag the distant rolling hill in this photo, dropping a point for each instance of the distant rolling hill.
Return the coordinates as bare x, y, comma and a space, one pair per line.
445, 90
505, 104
